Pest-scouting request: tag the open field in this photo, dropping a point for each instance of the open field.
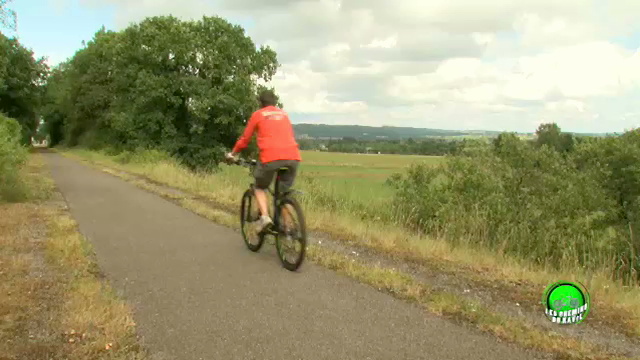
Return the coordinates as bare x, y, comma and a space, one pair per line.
357, 176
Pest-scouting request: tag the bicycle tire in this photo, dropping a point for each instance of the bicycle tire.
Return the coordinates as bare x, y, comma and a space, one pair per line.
292, 266
246, 197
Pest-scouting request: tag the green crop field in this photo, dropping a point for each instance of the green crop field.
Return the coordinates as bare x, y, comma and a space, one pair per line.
350, 182
357, 175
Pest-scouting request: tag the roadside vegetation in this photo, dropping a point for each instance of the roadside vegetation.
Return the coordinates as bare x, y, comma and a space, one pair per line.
12, 158
553, 203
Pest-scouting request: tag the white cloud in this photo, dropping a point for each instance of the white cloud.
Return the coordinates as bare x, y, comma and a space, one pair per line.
495, 64
303, 89
53, 59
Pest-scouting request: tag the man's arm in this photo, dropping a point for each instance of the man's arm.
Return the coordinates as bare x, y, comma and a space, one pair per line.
246, 136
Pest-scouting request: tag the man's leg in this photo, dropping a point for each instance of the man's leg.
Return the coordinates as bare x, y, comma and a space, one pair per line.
263, 176
286, 182
261, 197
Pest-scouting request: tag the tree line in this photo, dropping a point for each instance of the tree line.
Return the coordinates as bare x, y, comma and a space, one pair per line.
547, 134
375, 133
409, 146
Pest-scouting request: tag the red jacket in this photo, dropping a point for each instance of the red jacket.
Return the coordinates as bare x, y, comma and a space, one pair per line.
276, 139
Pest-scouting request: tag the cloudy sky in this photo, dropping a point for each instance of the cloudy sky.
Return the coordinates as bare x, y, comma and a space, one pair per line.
450, 64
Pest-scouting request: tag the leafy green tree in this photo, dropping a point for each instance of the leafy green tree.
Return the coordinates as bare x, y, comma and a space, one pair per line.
183, 87
87, 91
551, 135
21, 84
55, 107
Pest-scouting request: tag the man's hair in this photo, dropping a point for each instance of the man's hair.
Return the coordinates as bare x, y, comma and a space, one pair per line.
267, 98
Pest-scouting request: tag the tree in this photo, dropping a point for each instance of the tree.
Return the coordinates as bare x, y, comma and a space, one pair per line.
551, 135
21, 84
184, 87
54, 109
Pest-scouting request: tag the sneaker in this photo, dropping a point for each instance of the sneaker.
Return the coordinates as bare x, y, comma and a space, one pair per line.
263, 223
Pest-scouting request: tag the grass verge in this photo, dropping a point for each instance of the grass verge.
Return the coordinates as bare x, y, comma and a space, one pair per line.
53, 303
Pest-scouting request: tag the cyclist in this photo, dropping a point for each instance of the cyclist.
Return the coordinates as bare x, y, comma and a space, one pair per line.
278, 149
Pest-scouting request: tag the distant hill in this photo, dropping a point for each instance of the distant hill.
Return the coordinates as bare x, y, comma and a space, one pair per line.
323, 131
385, 132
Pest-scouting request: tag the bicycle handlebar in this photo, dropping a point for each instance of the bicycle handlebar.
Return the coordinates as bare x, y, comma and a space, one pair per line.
242, 162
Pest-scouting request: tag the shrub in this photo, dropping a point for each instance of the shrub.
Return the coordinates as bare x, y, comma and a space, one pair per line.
533, 201
12, 157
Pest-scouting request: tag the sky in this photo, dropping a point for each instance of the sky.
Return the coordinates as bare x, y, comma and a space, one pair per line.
449, 64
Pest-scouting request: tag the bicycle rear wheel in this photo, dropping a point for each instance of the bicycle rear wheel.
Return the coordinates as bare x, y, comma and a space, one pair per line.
292, 234
249, 214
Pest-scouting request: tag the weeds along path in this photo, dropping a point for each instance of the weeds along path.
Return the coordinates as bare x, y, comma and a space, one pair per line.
197, 292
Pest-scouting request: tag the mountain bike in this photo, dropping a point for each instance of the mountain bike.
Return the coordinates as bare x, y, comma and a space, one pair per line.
281, 210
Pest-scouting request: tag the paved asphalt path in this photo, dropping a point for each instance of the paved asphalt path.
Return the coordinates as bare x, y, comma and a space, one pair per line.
198, 293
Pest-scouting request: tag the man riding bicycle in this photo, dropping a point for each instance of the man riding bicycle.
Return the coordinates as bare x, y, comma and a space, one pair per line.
278, 149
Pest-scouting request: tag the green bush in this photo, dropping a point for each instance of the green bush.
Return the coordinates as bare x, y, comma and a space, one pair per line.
12, 157
534, 202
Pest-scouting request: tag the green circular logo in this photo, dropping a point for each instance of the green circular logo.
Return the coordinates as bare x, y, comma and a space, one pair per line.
566, 302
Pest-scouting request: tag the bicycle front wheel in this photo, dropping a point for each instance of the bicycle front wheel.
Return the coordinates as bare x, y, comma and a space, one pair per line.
249, 214
291, 240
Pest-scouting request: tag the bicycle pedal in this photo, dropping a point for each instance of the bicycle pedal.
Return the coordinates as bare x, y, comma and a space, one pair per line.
268, 230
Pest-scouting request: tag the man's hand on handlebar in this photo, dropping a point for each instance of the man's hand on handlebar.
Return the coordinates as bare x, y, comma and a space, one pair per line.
230, 158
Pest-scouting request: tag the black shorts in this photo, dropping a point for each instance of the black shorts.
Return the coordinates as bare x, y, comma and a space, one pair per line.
264, 173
